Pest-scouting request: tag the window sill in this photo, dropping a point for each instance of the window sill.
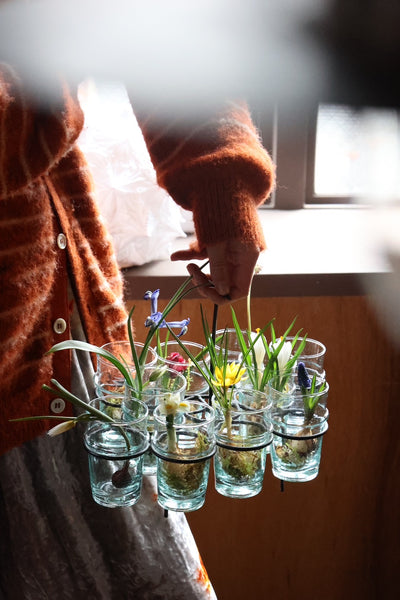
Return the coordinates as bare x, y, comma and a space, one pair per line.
311, 252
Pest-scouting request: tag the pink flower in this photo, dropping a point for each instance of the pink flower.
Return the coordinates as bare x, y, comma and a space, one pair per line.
181, 364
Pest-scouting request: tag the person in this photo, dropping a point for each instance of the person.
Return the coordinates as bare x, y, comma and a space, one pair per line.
221, 175
59, 279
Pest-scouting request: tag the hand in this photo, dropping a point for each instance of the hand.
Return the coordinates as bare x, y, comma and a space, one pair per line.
232, 266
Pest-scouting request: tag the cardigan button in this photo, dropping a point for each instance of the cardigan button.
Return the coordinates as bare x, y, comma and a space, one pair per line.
61, 241
57, 405
59, 326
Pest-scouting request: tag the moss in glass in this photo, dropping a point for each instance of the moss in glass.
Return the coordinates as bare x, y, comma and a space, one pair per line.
243, 434
184, 444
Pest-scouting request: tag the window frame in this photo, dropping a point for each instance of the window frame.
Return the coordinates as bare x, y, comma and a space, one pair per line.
311, 199
290, 137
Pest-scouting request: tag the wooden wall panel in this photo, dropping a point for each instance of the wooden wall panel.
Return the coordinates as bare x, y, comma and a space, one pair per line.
336, 537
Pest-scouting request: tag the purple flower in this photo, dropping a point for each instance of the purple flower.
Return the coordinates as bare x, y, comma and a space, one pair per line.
153, 320
153, 296
156, 316
175, 324
302, 375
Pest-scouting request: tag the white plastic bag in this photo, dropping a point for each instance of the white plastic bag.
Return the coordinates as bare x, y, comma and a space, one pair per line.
142, 218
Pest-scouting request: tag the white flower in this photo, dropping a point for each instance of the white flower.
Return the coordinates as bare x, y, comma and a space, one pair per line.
284, 353
61, 428
172, 404
259, 349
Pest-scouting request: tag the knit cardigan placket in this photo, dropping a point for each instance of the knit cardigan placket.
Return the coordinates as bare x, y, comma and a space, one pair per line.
99, 303
50, 230
60, 311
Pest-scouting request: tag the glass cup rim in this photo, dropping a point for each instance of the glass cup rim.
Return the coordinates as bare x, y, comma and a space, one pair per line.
251, 410
297, 394
173, 373
109, 393
257, 440
161, 419
312, 340
119, 422
229, 331
322, 417
314, 370
190, 343
261, 413
292, 379
124, 343
165, 360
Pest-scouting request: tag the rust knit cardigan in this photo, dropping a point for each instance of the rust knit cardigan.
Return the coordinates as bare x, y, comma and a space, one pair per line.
222, 174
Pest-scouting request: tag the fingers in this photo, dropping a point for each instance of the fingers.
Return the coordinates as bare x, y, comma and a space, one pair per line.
187, 254
199, 278
206, 289
191, 253
232, 266
220, 268
211, 294
244, 258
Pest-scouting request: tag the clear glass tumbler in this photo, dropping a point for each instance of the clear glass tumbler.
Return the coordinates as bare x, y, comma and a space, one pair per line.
243, 434
184, 446
115, 452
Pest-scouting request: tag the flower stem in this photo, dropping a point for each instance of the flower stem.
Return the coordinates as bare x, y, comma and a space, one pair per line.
248, 311
171, 433
228, 422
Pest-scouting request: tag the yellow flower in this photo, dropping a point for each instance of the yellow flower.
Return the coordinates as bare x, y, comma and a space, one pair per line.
226, 377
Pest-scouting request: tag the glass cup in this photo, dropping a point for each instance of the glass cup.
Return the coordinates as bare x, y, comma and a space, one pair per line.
184, 446
285, 395
243, 435
297, 437
313, 353
113, 393
313, 370
115, 452
107, 373
230, 341
174, 357
158, 383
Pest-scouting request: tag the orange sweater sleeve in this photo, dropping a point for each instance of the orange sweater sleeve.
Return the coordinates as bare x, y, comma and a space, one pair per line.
34, 136
217, 168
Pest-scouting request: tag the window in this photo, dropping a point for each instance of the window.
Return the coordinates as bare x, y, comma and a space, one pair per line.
334, 154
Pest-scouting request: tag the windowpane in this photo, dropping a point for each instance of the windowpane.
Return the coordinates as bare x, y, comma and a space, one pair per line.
357, 152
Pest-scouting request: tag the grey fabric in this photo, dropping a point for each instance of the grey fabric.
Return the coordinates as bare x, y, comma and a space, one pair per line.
57, 543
